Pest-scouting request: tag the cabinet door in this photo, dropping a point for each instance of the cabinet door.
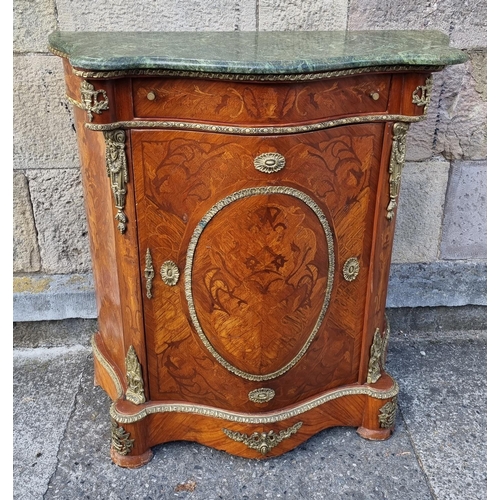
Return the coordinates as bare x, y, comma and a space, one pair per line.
258, 230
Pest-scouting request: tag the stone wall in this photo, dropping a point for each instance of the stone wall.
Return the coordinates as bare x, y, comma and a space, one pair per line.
441, 227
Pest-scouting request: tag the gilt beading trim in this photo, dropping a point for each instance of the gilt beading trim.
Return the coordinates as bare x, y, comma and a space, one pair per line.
82, 73
230, 129
107, 367
246, 418
244, 193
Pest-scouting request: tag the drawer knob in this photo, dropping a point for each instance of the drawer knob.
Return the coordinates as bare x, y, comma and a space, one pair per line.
375, 96
269, 163
151, 96
169, 273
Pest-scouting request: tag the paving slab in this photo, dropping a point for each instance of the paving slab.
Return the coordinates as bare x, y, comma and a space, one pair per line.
44, 390
437, 451
443, 401
336, 463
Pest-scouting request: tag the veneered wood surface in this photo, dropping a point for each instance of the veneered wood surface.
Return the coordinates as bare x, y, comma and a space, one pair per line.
260, 266
115, 257
260, 279
180, 176
259, 103
162, 427
116, 386
102, 226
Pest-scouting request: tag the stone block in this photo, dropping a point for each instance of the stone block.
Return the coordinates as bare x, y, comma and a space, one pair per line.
420, 140
461, 128
469, 24
437, 284
464, 225
426, 322
57, 198
464, 22
399, 14
46, 297
26, 254
420, 212
283, 15
33, 21
152, 15
44, 133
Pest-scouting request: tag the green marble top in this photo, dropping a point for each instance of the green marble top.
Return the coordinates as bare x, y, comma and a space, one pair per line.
244, 52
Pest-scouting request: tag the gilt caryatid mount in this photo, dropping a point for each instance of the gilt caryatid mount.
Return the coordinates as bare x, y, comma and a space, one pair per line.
241, 193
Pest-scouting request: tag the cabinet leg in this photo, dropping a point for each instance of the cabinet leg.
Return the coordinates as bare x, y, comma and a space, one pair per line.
378, 419
128, 447
131, 461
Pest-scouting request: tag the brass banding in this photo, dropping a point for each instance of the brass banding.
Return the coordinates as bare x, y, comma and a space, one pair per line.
109, 369
261, 190
230, 129
83, 73
251, 418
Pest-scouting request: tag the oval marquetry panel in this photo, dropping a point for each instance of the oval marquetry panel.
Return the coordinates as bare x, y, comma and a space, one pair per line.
259, 275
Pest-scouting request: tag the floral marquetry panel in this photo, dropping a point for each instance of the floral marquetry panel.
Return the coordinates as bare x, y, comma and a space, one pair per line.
259, 104
263, 264
260, 256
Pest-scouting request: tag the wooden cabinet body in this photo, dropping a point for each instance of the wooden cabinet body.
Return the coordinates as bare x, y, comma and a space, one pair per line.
241, 230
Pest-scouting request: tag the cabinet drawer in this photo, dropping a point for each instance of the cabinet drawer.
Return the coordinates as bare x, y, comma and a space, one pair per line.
259, 103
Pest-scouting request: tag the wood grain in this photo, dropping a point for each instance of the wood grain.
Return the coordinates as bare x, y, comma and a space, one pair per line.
184, 174
209, 430
258, 103
261, 302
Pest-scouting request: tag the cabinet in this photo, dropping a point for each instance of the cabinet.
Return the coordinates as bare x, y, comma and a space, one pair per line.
241, 192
